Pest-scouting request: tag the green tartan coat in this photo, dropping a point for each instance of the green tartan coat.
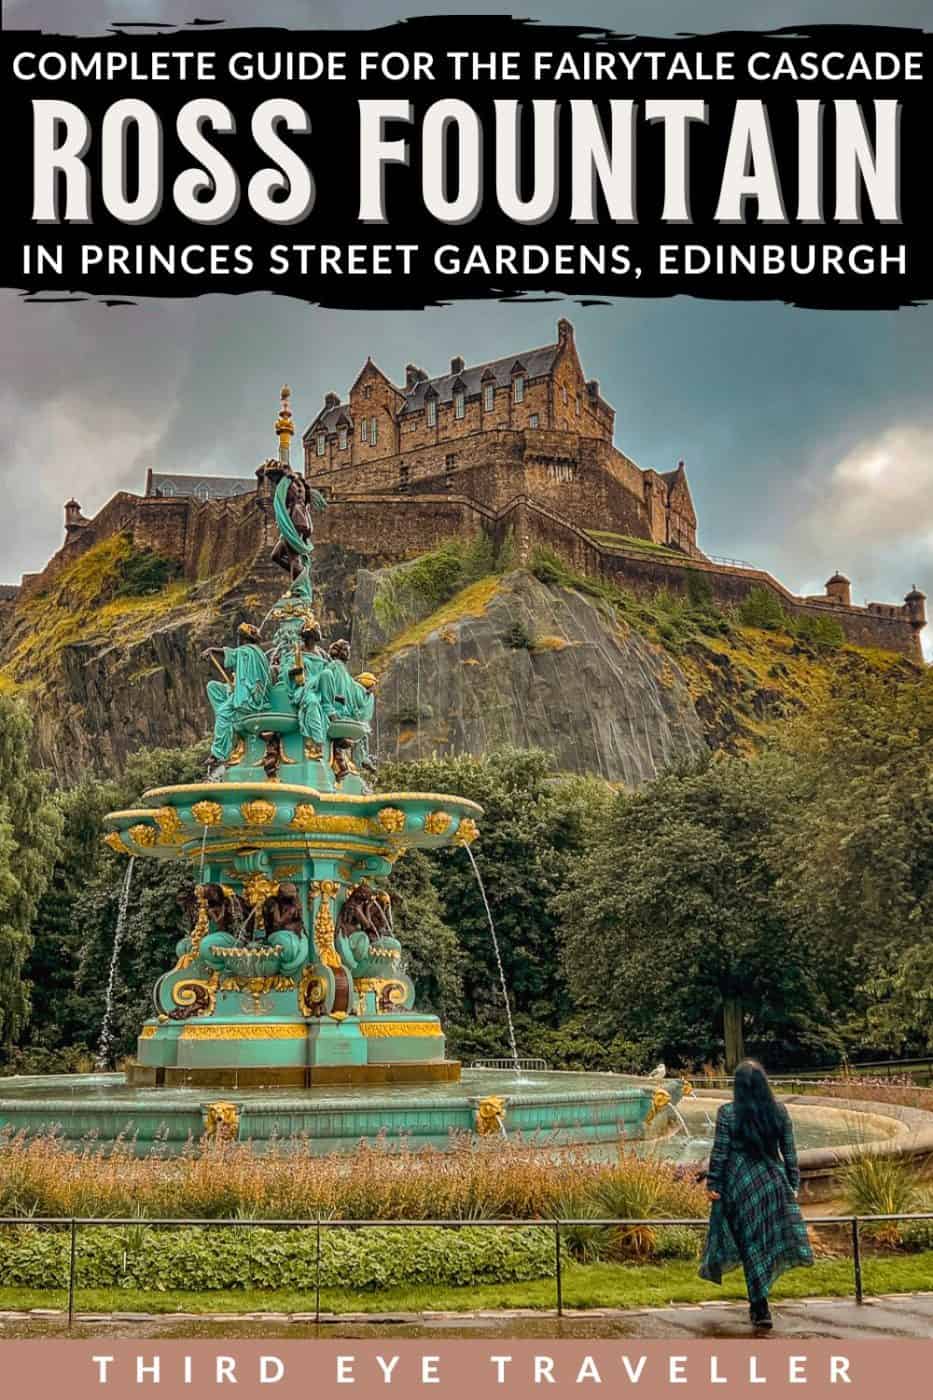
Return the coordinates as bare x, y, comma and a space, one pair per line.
756, 1222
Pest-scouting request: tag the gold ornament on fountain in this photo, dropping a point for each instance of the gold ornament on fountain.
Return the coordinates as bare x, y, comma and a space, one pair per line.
312, 993
436, 823
115, 841
201, 924
660, 1099
490, 1115
258, 888
467, 832
222, 1121
142, 834
170, 826
391, 819
207, 813
304, 817
259, 812
324, 923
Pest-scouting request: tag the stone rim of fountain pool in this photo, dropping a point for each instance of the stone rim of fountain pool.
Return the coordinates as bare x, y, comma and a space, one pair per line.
557, 1109
330, 1119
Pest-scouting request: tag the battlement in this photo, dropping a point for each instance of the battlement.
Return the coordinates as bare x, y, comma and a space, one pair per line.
521, 445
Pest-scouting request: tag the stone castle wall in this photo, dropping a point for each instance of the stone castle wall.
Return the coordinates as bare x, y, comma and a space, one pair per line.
388, 527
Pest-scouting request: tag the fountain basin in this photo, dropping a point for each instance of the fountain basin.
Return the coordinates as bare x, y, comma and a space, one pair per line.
548, 1108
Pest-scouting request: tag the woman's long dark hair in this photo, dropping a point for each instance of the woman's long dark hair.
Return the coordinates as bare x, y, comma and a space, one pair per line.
757, 1118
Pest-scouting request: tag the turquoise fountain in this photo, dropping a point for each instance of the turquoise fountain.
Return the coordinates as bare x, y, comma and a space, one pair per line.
289, 992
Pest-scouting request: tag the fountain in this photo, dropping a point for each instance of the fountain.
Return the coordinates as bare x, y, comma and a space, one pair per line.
288, 992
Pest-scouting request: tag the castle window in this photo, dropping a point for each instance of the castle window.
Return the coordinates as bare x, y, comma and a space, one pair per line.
321, 444
563, 393
403, 477
533, 421
518, 388
459, 404
342, 439
367, 391
578, 405
364, 429
373, 431
489, 396
432, 413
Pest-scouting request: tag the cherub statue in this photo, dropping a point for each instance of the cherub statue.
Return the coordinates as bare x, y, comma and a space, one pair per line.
282, 910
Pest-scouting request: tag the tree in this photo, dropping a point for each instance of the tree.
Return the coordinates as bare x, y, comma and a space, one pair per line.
672, 934
30, 827
856, 865
74, 926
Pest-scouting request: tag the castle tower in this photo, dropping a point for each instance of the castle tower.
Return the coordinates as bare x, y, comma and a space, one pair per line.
74, 520
915, 603
285, 425
839, 588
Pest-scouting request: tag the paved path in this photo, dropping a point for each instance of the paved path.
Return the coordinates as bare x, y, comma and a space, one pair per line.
890, 1315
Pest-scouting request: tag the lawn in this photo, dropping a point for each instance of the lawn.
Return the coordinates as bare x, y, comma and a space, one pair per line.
585, 1286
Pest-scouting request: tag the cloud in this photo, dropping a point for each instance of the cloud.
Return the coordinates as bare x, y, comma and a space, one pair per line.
874, 506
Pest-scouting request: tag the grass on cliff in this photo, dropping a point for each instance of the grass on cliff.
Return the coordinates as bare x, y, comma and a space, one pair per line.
412, 591
112, 594
747, 669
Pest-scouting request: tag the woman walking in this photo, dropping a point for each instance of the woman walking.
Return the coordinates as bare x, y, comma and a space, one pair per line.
752, 1182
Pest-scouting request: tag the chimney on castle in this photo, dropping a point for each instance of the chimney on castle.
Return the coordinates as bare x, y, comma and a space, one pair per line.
414, 375
285, 425
839, 588
331, 400
592, 388
564, 331
456, 364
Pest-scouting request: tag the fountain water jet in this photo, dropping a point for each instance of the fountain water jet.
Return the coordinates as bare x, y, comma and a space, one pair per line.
106, 1032
502, 981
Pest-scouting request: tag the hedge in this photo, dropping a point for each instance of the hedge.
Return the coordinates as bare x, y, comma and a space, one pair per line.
202, 1260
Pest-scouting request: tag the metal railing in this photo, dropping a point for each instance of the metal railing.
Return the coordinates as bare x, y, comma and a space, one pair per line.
506, 1062
854, 1224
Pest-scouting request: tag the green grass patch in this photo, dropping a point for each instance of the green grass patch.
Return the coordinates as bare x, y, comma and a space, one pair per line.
409, 592
585, 1286
612, 540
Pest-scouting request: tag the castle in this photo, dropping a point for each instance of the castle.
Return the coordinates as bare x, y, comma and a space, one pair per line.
520, 448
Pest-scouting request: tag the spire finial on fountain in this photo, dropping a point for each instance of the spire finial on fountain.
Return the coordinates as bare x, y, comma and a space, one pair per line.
285, 424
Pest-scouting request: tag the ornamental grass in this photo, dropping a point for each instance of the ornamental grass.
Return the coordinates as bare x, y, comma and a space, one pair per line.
45, 1176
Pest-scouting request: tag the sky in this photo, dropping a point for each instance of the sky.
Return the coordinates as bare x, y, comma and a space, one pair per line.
808, 435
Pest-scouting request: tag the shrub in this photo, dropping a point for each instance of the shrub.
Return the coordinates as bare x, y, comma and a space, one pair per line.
640, 1188
413, 591
762, 608
44, 1176
145, 572
874, 1184
203, 1260
517, 637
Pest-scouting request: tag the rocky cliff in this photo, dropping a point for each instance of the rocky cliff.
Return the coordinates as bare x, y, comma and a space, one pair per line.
470, 656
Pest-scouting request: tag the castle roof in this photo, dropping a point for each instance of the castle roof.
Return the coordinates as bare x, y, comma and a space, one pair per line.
203, 488
531, 363
328, 419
